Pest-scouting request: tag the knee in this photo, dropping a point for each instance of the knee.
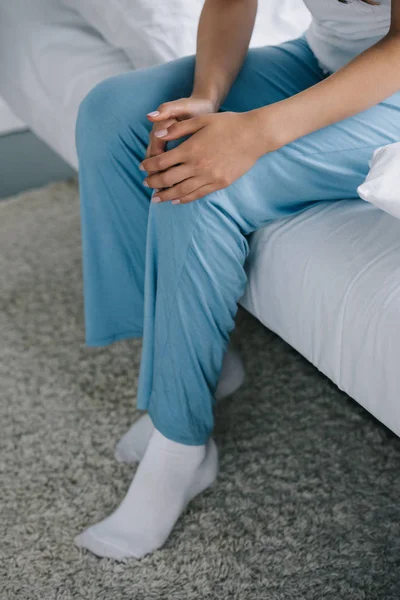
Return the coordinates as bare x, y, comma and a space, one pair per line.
93, 124
104, 118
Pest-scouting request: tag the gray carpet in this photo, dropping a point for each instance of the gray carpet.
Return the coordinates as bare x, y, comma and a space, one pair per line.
307, 503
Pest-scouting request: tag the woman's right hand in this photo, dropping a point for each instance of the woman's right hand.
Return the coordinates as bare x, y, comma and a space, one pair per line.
169, 113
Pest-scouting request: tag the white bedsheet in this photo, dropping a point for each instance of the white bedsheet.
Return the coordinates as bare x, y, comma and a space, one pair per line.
8, 121
51, 58
327, 281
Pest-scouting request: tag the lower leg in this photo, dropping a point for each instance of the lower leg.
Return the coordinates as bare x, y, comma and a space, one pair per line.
189, 312
167, 468
194, 279
132, 446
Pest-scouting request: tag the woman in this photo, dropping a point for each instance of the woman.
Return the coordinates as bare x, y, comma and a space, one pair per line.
255, 136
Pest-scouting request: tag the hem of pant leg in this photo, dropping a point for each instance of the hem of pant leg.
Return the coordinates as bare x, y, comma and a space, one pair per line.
115, 338
179, 439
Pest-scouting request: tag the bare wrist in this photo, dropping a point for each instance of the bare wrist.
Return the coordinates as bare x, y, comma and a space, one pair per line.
268, 135
211, 96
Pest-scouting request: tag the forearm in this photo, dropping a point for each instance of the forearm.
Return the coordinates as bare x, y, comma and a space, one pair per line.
223, 37
367, 80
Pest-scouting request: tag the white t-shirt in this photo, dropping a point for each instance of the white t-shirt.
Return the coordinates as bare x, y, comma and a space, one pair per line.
339, 31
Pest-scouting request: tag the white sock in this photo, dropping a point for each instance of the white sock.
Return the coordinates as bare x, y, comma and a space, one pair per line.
232, 374
167, 479
132, 446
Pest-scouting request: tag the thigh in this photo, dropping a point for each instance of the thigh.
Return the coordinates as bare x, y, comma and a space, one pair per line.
269, 74
273, 73
328, 164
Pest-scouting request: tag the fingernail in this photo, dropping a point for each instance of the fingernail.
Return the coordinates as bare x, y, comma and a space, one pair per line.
161, 133
156, 199
155, 113
145, 183
141, 167
175, 201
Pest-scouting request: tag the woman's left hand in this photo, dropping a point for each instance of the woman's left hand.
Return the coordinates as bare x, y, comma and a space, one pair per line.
220, 149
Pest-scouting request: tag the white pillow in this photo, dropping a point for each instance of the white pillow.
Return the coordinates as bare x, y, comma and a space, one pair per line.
155, 31
382, 184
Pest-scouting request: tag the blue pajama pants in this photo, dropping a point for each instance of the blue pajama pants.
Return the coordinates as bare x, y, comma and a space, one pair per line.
173, 274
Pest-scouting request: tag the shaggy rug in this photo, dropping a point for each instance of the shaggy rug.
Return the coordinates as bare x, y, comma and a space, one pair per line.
307, 503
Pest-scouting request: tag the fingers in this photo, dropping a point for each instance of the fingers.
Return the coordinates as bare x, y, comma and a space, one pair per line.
171, 129
155, 147
180, 129
156, 144
163, 161
177, 130
168, 178
177, 108
185, 192
177, 191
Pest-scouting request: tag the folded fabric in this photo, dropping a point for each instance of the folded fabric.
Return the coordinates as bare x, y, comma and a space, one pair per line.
155, 31
382, 184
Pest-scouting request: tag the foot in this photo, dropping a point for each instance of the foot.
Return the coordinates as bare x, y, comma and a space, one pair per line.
167, 479
133, 444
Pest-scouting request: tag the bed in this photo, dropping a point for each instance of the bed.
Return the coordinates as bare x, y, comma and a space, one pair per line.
327, 281
8, 121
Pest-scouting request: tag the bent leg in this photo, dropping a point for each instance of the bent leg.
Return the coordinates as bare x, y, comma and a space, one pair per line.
202, 247
196, 253
112, 135
194, 277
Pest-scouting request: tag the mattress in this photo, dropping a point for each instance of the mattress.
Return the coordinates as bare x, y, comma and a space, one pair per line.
327, 281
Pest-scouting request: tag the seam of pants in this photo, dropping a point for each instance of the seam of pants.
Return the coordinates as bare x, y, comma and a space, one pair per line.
302, 153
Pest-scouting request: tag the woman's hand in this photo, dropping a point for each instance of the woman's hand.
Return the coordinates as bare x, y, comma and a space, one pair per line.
169, 113
221, 148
